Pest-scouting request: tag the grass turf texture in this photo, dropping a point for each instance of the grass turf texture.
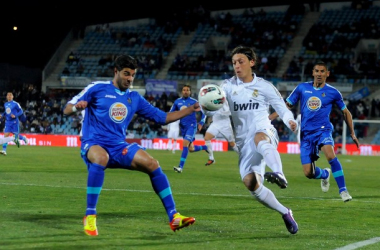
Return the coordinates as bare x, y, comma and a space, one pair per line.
43, 191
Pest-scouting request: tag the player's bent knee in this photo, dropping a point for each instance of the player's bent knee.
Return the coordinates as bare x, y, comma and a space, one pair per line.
154, 164
263, 146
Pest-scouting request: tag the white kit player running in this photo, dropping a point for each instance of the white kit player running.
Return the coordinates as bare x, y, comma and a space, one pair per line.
249, 98
173, 132
220, 125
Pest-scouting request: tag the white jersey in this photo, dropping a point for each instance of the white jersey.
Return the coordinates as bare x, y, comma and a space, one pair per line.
222, 114
221, 123
249, 105
173, 129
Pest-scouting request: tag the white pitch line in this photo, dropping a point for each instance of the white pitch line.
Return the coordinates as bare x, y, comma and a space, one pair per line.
179, 193
359, 244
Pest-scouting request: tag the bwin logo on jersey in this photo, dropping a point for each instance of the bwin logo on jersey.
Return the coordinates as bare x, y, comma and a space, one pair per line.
118, 112
314, 103
246, 106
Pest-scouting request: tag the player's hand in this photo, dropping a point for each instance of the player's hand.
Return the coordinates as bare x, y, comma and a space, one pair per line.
199, 127
197, 107
293, 125
356, 141
81, 105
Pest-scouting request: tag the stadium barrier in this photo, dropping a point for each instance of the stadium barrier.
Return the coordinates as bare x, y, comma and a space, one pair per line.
161, 144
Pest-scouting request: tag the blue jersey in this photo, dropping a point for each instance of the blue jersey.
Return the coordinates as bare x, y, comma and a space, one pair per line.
109, 112
189, 120
12, 124
316, 105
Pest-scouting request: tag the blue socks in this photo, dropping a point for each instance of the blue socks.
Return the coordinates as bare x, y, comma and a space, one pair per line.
185, 152
320, 173
337, 172
94, 186
21, 137
162, 188
158, 179
199, 148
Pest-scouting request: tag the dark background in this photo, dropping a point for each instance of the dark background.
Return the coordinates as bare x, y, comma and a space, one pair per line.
42, 25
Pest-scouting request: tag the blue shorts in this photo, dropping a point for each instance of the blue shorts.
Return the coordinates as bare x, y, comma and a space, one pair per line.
120, 156
188, 133
311, 144
11, 127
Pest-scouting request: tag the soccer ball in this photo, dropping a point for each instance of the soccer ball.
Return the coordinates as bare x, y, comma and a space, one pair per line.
211, 97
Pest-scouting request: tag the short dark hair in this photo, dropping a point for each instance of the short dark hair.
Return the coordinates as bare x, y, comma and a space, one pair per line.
321, 63
125, 61
246, 51
187, 85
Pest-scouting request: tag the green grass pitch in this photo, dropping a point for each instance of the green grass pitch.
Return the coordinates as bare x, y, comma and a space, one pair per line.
43, 191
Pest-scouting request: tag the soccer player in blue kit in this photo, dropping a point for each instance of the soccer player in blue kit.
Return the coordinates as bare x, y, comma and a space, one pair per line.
13, 112
110, 107
316, 101
188, 126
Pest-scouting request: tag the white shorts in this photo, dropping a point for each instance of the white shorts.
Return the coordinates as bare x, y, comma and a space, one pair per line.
222, 129
250, 161
173, 133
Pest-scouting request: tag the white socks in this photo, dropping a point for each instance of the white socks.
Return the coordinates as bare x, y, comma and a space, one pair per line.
266, 197
209, 149
270, 155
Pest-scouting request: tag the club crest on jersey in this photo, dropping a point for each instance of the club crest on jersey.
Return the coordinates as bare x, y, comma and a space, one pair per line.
255, 93
118, 112
323, 94
314, 103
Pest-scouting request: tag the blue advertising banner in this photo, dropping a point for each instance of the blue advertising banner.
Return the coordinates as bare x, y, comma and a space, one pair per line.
157, 87
360, 94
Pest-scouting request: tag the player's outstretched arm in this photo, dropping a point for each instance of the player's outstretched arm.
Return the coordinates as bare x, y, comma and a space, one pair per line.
176, 115
348, 119
72, 108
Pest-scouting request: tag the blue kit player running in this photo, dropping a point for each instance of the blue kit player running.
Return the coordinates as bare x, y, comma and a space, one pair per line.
188, 126
316, 101
13, 112
110, 107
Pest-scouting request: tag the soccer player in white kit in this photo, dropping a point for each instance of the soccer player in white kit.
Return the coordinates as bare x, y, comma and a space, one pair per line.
173, 132
220, 124
249, 98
